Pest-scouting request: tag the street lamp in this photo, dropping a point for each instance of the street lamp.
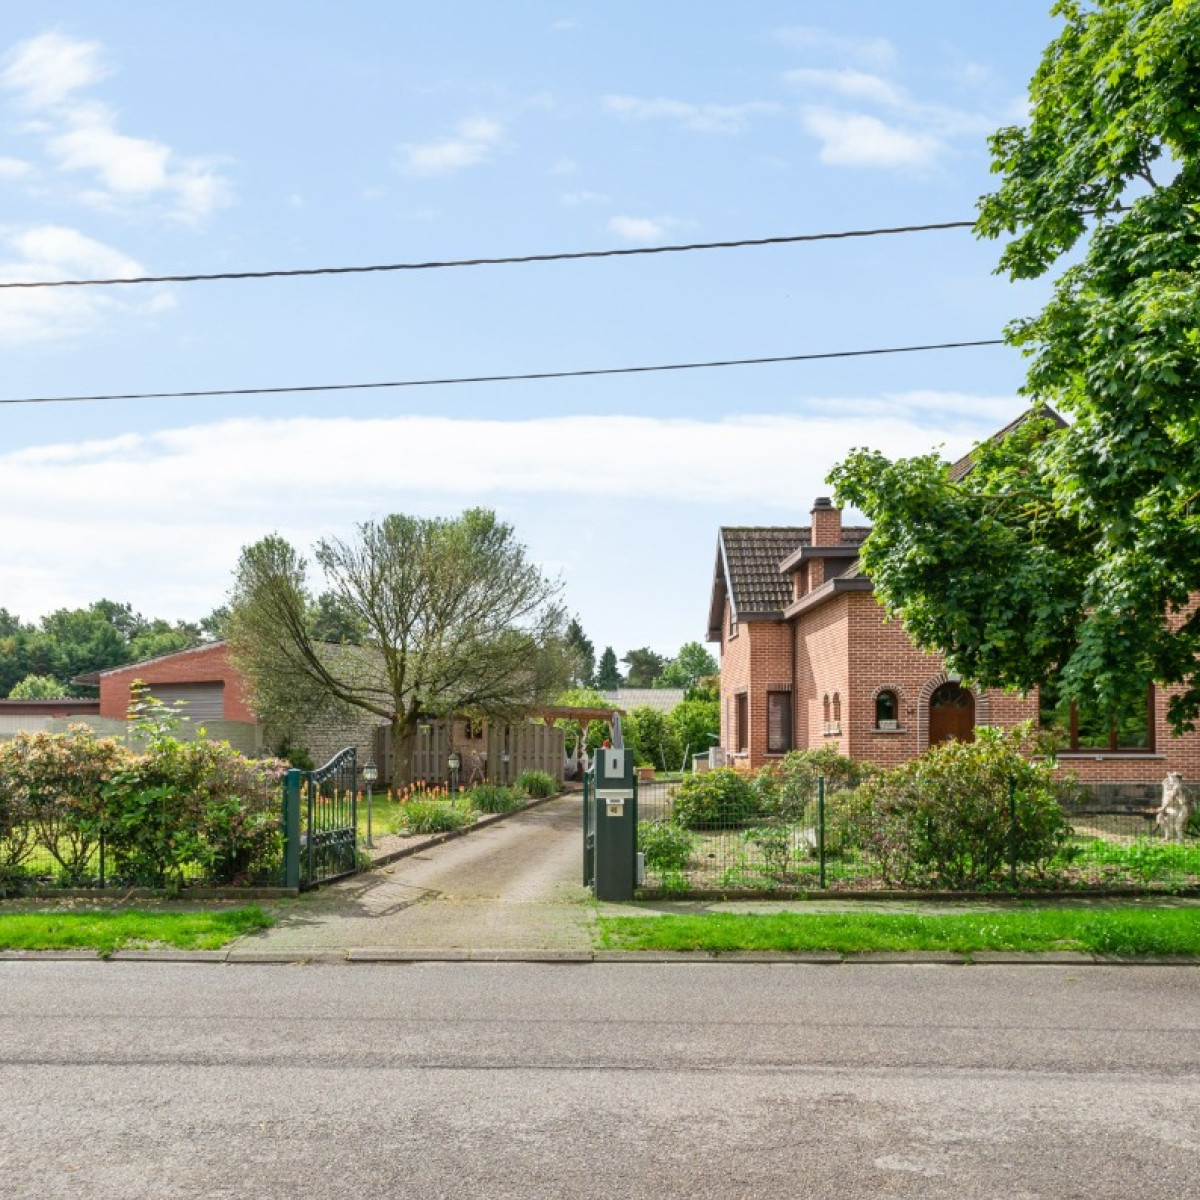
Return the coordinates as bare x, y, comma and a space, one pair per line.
370, 774
504, 758
455, 765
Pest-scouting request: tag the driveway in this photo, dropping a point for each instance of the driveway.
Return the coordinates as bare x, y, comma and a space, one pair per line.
512, 885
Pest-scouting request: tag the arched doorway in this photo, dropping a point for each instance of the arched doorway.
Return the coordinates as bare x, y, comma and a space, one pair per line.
951, 714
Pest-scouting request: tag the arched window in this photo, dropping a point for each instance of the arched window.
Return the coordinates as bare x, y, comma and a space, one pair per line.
887, 710
837, 708
825, 705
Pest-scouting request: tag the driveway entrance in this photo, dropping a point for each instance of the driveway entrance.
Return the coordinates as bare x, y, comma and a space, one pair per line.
514, 884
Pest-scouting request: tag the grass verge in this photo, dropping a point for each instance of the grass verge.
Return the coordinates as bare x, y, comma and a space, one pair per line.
106, 931
1121, 932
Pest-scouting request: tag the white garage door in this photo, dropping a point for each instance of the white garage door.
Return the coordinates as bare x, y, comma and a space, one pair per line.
203, 701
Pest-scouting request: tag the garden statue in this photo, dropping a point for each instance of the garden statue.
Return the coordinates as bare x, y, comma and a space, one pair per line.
1172, 815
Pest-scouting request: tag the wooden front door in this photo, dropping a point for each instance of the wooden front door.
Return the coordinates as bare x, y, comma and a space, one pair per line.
951, 714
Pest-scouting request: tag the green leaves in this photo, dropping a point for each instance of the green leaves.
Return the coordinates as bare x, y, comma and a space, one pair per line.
1074, 552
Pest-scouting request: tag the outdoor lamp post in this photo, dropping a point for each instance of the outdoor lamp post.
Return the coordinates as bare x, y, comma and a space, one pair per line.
455, 764
370, 774
504, 758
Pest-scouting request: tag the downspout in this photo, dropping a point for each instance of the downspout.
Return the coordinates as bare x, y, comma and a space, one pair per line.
792, 627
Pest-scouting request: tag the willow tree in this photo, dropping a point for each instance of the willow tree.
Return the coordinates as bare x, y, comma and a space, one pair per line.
453, 618
1071, 554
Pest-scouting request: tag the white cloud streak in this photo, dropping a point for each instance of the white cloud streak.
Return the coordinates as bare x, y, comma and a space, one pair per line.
216, 487
703, 118
473, 143
47, 252
80, 136
860, 140
641, 229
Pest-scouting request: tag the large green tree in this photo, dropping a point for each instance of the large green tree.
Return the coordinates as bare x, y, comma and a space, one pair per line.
692, 664
645, 666
454, 618
1073, 552
583, 655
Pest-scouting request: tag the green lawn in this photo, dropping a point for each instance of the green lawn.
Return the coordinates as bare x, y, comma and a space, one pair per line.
1118, 931
123, 929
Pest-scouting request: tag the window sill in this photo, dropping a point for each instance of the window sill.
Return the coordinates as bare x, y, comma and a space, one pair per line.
1109, 755
888, 732
831, 731
777, 754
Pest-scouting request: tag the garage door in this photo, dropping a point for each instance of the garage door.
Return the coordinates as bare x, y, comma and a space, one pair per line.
204, 701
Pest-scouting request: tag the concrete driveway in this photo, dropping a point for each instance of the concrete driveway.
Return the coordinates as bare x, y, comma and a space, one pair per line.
512, 885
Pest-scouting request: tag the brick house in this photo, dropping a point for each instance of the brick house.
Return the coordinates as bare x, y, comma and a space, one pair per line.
807, 660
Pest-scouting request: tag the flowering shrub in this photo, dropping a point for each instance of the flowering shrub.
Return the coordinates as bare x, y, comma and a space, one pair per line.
180, 807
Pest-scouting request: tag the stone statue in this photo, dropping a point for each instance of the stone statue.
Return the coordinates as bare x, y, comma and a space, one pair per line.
1173, 812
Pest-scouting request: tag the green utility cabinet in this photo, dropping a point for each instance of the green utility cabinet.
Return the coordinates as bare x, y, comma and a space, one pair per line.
614, 819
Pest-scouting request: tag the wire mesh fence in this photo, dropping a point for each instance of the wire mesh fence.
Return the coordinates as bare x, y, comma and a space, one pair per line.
825, 837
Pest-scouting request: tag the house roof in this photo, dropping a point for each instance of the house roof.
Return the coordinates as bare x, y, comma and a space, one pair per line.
749, 569
661, 699
1043, 411
92, 678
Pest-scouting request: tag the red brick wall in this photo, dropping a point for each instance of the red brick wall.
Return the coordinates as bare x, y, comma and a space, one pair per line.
823, 669
205, 664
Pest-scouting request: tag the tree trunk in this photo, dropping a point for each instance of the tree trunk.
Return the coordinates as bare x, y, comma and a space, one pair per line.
403, 740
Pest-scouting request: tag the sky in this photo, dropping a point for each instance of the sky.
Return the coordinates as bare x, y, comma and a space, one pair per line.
148, 138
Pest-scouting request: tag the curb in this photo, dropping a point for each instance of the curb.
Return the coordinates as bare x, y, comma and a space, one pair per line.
384, 955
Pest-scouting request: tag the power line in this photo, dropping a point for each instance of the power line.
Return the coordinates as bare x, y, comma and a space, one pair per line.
507, 260
532, 375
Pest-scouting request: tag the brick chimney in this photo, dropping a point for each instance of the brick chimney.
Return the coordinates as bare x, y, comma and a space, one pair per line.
826, 523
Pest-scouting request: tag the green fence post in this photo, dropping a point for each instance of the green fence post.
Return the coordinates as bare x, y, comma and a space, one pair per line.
821, 825
1012, 832
291, 829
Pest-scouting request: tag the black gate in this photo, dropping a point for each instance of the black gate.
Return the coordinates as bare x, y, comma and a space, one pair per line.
321, 821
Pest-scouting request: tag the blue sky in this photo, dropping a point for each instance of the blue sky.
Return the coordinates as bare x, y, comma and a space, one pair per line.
154, 138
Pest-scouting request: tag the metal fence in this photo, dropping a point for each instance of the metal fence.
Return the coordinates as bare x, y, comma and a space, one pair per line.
1112, 840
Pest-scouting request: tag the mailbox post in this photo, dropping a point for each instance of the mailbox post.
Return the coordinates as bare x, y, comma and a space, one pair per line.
615, 823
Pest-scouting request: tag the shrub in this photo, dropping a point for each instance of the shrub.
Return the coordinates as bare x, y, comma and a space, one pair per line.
786, 788
422, 816
776, 845
201, 804
494, 798
694, 721
718, 799
52, 792
657, 740
537, 784
666, 847
943, 819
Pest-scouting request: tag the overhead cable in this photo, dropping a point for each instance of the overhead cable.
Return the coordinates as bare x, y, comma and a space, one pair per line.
531, 375
507, 260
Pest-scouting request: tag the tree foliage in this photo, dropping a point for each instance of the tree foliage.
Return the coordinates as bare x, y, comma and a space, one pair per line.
583, 655
645, 666
37, 687
608, 673
454, 618
76, 641
1073, 552
692, 664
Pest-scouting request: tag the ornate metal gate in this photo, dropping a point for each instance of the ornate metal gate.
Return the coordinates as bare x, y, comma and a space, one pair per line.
321, 821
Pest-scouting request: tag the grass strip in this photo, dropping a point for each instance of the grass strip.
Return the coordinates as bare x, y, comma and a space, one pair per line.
125, 929
1119, 932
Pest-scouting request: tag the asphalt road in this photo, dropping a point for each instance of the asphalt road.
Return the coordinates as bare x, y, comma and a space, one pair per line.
134, 1080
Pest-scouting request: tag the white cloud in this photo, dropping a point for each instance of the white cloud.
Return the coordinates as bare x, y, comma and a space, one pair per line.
14, 168
221, 485
48, 252
878, 52
858, 140
564, 166
472, 144
704, 118
80, 135
854, 85
641, 229
46, 70
583, 196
